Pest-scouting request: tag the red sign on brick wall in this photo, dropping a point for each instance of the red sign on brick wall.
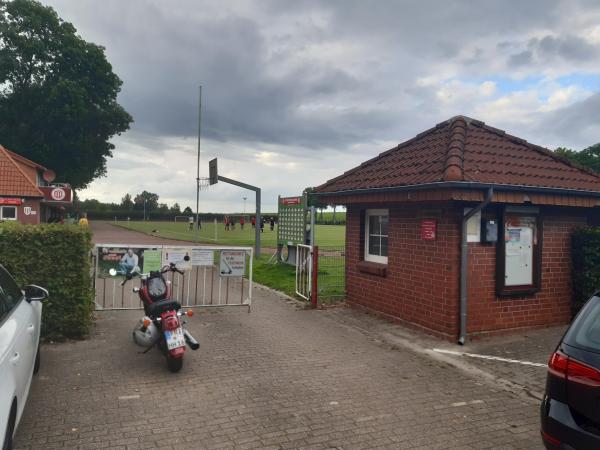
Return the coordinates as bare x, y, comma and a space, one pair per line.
10, 201
428, 229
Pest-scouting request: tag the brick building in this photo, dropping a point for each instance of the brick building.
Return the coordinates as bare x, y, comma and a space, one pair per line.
463, 230
27, 192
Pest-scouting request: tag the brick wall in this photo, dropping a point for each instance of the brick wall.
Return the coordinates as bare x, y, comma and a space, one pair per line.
551, 305
421, 286
422, 282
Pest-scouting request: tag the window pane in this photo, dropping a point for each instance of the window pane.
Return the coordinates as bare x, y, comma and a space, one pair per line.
374, 247
374, 227
384, 225
9, 212
9, 291
384, 246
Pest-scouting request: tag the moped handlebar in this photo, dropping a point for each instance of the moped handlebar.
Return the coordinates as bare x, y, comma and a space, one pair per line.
171, 267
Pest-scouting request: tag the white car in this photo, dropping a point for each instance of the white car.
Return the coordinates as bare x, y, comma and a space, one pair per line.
20, 321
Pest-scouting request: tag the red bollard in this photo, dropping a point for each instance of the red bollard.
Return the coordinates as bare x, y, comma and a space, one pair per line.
314, 297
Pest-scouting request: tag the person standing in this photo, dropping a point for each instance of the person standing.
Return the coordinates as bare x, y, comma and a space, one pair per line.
253, 221
242, 222
190, 223
272, 223
262, 224
226, 222
83, 221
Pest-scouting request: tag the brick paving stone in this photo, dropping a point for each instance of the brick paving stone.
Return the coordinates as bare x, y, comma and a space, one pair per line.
280, 377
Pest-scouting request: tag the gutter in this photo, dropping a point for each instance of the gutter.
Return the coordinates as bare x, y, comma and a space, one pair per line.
461, 185
464, 258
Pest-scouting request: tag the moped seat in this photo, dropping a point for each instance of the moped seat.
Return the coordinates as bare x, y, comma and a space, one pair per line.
157, 308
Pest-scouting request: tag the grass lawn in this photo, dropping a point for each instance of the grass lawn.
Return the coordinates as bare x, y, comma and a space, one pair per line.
281, 277
326, 235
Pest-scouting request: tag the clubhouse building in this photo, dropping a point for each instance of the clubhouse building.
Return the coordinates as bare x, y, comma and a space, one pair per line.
28, 193
463, 231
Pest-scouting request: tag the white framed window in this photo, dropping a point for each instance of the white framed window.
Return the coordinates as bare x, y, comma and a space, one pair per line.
376, 235
8, 213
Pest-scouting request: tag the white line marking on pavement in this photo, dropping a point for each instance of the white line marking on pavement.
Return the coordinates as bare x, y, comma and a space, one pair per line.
493, 358
128, 397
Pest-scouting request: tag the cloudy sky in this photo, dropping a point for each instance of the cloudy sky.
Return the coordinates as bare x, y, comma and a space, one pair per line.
296, 92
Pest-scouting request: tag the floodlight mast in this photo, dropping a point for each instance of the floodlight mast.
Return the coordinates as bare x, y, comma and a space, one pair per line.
198, 168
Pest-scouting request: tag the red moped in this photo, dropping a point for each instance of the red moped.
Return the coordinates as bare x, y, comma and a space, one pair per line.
162, 325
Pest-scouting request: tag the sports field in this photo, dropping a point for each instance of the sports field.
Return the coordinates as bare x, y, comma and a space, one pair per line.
326, 235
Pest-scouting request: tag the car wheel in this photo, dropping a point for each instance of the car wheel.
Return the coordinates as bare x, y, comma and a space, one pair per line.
36, 365
174, 364
8, 438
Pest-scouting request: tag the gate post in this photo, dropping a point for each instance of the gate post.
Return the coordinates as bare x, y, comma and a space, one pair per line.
314, 294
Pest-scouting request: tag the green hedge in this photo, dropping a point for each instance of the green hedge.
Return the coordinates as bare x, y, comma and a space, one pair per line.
585, 252
56, 257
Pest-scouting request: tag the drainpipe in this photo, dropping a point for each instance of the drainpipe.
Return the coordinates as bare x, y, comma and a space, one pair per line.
464, 256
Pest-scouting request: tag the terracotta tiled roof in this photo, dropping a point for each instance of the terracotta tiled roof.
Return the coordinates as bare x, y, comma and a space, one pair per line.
13, 181
465, 150
22, 159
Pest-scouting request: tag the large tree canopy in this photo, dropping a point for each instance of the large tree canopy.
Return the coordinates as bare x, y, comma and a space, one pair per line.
589, 157
58, 93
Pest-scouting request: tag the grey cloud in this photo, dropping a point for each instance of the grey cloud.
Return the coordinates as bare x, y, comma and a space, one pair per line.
523, 58
567, 48
575, 126
260, 79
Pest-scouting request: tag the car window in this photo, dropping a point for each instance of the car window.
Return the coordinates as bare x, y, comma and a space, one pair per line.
585, 330
10, 294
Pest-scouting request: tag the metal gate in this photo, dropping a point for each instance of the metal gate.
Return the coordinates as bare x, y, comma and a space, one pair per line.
304, 271
213, 276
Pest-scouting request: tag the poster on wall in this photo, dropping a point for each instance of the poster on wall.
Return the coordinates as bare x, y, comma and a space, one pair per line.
518, 256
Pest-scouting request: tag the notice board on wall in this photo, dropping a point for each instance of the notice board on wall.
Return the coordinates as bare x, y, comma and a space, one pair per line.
519, 256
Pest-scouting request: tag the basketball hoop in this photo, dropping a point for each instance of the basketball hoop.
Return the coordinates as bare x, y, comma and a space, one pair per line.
204, 183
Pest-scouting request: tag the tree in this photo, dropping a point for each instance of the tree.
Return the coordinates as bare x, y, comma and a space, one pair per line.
589, 157
176, 209
151, 201
58, 93
187, 210
126, 202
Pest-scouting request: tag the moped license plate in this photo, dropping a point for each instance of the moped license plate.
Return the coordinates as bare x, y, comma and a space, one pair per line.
175, 338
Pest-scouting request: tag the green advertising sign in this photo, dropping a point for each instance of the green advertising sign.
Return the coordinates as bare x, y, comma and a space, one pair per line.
291, 225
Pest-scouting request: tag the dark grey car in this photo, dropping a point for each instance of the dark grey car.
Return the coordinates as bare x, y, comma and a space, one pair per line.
570, 410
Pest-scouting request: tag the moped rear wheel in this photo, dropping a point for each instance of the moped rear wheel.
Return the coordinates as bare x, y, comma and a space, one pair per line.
174, 364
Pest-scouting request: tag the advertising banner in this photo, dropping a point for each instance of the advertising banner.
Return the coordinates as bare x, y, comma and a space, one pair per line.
125, 259
202, 257
177, 255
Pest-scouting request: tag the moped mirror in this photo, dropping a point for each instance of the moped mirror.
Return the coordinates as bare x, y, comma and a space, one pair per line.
35, 293
112, 272
186, 257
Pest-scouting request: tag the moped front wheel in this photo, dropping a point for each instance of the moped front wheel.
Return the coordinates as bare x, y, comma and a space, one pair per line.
174, 364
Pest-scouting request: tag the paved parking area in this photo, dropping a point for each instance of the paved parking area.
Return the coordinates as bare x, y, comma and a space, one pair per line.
278, 378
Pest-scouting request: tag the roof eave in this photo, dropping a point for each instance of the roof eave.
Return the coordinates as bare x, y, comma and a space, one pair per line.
460, 185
